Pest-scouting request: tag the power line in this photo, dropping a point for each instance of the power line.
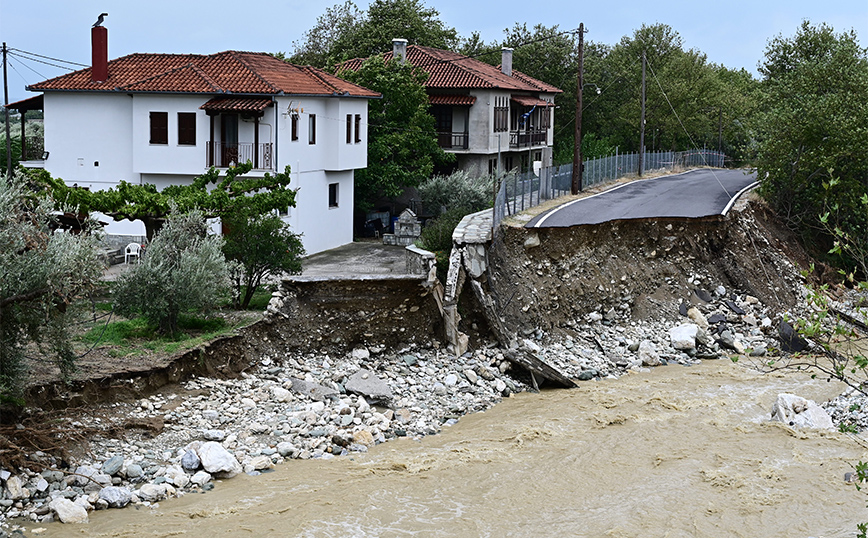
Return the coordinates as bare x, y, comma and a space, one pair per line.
22, 57
48, 57
28, 67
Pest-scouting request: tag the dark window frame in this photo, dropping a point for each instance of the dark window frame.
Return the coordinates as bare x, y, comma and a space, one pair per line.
358, 122
334, 198
349, 128
311, 127
294, 127
159, 127
186, 128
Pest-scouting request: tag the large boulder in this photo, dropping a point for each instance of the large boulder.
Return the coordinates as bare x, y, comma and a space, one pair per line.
683, 337
216, 460
314, 390
367, 384
67, 511
648, 353
116, 497
798, 412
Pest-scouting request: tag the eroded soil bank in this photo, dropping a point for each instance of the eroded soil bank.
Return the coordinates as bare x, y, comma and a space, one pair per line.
641, 269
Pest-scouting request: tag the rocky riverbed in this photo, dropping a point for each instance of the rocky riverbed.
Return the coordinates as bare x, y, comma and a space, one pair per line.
314, 405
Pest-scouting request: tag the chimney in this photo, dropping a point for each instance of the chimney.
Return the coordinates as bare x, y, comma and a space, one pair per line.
506, 61
399, 50
99, 54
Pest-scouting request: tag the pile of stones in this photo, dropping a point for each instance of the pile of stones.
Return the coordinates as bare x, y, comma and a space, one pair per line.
288, 407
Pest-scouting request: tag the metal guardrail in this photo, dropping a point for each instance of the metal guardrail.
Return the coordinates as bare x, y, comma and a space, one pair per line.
520, 191
223, 154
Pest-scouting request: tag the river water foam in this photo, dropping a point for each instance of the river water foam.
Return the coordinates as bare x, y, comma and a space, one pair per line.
677, 452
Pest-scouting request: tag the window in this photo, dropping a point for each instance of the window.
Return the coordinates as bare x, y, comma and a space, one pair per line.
349, 128
311, 129
501, 114
186, 128
492, 166
294, 124
159, 127
333, 194
358, 128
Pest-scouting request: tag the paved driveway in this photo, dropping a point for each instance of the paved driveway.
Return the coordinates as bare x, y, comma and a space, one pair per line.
694, 194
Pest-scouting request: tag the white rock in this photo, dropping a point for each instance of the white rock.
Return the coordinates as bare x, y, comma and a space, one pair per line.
116, 497
471, 376
683, 337
260, 462
217, 460
648, 353
201, 478
67, 511
696, 317
280, 394
152, 492
800, 413
451, 380
361, 354
177, 476
16, 489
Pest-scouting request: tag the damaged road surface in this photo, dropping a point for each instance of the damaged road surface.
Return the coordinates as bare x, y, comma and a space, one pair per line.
694, 194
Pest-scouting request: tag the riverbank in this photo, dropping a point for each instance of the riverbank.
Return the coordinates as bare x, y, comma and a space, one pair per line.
676, 450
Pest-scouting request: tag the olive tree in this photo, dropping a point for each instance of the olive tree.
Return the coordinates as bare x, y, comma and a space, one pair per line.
183, 270
42, 270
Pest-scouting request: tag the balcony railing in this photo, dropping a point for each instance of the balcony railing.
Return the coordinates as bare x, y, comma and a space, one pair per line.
222, 154
450, 140
524, 139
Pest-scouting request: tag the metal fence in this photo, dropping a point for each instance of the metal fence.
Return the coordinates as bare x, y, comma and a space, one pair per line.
520, 191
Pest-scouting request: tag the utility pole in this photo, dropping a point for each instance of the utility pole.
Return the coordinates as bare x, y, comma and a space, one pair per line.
6, 116
576, 186
720, 129
642, 126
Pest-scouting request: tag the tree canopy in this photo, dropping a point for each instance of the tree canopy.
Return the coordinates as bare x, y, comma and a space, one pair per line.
813, 128
344, 32
231, 194
402, 141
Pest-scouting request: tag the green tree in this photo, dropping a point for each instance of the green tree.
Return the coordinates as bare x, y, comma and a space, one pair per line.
813, 127
41, 273
316, 48
402, 141
213, 195
261, 245
343, 32
183, 270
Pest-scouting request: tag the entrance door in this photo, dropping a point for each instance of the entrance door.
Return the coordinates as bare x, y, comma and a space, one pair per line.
229, 138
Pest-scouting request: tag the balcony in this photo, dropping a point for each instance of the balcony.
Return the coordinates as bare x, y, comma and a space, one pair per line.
450, 140
223, 154
528, 138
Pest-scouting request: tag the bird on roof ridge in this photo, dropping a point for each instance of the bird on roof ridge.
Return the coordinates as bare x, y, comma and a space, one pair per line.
102, 17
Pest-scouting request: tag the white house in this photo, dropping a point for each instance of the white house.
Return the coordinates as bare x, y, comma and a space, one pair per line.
164, 119
493, 119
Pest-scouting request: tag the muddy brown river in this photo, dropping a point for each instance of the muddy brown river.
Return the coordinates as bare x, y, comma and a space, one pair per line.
677, 452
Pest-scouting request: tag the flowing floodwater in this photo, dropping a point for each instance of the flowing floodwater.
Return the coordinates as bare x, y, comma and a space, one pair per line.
677, 452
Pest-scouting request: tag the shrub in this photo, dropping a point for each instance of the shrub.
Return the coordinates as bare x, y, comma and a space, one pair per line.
457, 190
183, 270
261, 246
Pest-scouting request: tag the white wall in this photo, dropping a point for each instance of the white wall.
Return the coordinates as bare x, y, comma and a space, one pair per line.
83, 129
114, 130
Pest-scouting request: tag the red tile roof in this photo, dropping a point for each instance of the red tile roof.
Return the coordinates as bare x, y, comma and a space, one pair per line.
454, 100
527, 100
450, 70
238, 104
225, 72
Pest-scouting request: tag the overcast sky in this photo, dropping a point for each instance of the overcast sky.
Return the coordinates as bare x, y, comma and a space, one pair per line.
732, 33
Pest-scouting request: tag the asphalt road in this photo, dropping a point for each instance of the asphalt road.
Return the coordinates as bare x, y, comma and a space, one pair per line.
694, 194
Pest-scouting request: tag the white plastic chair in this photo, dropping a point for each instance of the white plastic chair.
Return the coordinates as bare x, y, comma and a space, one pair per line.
133, 250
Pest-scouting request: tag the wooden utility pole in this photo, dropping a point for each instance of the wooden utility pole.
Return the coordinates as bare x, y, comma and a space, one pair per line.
6, 116
642, 123
576, 186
